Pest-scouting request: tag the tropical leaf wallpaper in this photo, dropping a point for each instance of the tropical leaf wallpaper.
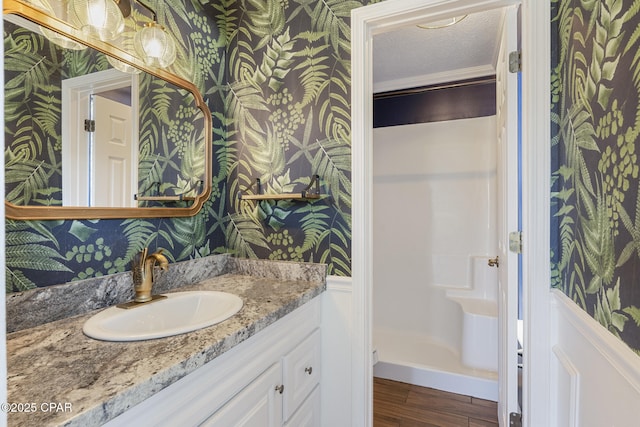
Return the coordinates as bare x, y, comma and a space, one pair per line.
42, 253
595, 95
170, 126
288, 112
172, 141
276, 76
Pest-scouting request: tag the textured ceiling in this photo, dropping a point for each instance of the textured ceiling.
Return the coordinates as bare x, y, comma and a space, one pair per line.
411, 56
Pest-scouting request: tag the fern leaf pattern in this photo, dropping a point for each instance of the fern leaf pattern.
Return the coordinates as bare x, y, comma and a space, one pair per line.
276, 76
33, 163
595, 184
296, 125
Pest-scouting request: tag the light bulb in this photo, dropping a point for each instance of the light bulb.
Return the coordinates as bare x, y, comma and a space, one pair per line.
155, 46
98, 18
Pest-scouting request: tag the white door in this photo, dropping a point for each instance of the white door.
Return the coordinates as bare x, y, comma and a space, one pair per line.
507, 127
113, 159
76, 92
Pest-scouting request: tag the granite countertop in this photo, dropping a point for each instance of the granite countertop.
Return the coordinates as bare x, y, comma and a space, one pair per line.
70, 379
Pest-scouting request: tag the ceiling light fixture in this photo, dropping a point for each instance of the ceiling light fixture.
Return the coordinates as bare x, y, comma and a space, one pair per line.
443, 23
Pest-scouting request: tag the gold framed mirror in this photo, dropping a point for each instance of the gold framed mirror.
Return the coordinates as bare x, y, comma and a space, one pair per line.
55, 167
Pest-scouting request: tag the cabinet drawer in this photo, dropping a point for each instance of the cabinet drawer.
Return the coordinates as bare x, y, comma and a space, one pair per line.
301, 370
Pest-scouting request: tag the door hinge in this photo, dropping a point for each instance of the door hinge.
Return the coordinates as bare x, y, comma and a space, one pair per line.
515, 419
515, 61
89, 125
515, 241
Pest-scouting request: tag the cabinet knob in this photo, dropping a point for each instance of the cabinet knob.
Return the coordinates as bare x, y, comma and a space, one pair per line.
280, 388
309, 370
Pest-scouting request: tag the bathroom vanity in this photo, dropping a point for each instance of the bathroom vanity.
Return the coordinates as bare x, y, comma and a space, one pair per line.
264, 362
272, 379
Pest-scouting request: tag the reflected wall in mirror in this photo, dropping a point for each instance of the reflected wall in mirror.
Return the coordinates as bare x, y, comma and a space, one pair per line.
82, 136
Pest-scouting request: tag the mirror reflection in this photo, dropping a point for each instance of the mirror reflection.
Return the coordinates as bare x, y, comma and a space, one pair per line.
111, 128
80, 133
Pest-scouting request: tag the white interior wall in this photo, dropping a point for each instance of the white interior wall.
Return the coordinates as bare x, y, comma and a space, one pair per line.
433, 207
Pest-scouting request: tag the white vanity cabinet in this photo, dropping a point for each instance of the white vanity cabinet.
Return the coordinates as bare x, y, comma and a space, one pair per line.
271, 379
259, 404
301, 373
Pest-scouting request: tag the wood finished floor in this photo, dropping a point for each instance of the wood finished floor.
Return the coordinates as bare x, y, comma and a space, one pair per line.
397, 404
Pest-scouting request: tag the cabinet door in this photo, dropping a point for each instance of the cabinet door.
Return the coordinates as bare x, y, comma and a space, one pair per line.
301, 372
308, 414
257, 405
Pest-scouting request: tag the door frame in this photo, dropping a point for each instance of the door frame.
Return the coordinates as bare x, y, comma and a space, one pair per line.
75, 95
536, 148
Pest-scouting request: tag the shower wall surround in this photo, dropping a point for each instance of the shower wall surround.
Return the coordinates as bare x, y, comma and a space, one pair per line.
595, 96
276, 76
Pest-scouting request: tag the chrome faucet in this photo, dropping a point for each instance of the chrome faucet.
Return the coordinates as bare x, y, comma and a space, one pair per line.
142, 269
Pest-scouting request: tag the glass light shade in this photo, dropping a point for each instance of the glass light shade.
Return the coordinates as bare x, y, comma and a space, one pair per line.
62, 41
122, 66
52, 36
155, 46
125, 42
98, 18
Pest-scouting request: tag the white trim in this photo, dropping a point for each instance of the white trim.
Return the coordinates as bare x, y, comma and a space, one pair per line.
570, 370
339, 284
536, 194
615, 351
434, 78
391, 14
361, 227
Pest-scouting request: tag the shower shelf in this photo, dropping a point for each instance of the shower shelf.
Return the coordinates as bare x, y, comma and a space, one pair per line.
311, 191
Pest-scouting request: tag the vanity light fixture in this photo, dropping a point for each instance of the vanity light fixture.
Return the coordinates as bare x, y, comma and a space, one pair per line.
154, 44
59, 12
444, 23
103, 19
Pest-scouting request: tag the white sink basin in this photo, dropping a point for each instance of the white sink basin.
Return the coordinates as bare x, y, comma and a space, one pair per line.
180, 312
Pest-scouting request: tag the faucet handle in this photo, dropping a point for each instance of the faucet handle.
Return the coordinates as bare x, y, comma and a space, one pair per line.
137, 266
140, 256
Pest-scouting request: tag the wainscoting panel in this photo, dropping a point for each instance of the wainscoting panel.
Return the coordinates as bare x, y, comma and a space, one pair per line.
595, 376
336, 352
566, 393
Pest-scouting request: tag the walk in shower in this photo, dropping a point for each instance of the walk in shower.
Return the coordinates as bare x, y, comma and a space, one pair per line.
434, 236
